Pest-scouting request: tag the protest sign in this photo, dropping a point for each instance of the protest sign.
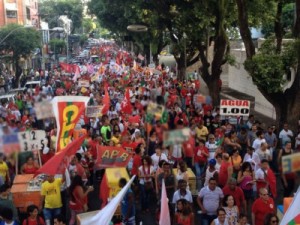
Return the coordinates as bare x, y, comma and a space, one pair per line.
95, 78
199, 99
94, 111
111, 157
10, 143
291, 163
155, 109
234, 107
43, 110
32, 140
176, 136
83, 83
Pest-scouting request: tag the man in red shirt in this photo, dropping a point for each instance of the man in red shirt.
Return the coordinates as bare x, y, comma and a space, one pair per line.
262, 206
237, 193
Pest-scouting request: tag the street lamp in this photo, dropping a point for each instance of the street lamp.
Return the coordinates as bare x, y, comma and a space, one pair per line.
12, 31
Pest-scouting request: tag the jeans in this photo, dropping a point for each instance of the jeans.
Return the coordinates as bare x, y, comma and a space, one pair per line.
200, 171
73, 216
50, 213
130, 221
207, 219
145, 197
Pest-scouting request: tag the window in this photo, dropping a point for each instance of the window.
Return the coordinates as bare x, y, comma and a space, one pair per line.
28, 13
11, 14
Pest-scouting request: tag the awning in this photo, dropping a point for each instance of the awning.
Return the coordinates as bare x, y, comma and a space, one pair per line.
11, 6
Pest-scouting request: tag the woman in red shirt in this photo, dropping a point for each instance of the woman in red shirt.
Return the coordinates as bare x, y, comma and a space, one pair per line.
226, 170
137, 161
30, 167
184, 214
200, 160
78, 198
33, 216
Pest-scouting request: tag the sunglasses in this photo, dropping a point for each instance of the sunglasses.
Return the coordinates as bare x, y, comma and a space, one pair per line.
274, 221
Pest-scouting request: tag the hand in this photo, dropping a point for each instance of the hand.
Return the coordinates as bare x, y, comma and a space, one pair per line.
90, 188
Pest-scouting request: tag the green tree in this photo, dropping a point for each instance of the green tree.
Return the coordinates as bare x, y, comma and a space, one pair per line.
51, 10
275, 61
19, 41
57, 45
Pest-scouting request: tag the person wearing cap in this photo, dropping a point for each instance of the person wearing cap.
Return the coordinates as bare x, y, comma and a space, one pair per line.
211, 171
232, 189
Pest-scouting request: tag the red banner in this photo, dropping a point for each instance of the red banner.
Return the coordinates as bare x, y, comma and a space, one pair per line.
108, 157
67, 111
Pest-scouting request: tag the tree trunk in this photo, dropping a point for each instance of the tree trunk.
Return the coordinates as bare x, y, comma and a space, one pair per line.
244, 28
18, 72
181, 68
288, 111
214, 90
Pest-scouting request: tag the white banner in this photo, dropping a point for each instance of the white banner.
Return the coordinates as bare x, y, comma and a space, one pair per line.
234, 107
83, 83
32, 140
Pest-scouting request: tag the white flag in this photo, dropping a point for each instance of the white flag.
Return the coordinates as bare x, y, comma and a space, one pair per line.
292, 215
164, 218
105, 215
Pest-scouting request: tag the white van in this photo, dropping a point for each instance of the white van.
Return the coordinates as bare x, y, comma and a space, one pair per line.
32, 85
6, 98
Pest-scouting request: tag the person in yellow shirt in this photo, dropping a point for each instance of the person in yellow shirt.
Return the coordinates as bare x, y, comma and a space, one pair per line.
116, 138
51, 198
201, 131
4, 173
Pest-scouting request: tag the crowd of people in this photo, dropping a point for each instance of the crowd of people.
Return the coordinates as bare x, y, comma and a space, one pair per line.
235, 165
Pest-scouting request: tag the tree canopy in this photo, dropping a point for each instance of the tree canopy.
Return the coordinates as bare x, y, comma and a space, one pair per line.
50, 10
19, 41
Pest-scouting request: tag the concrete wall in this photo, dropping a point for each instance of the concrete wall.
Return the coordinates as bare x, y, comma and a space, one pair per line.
239, 79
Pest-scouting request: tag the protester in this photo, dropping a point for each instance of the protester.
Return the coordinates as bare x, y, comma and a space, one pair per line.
33, 216
30, 167
127, 206
221, 219
271, 219
7, 217
51, 200
78, 198
262, 206
184, 214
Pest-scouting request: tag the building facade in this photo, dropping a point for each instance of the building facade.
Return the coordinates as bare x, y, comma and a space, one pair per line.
22, 12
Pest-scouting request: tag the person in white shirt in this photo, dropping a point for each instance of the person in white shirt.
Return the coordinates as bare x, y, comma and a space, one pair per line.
285, 135
182, 193
264, 153
252, 158
158, 156
258, 141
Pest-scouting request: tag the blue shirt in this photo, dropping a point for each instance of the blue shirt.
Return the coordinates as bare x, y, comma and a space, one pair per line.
125, 205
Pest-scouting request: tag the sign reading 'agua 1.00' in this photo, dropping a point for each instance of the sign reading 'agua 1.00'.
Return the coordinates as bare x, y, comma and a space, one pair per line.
234, 107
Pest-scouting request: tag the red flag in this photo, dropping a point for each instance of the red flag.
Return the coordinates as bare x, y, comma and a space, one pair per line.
66, 67
126, 106
108, 157
134, 119
61, 160
106, 102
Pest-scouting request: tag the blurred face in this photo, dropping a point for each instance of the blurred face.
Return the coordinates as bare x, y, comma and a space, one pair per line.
230, 201
221, 216
243, 221
166, 169
158, 151
264, 194
212, 185
50, 178
274, 220
34, 213
30, 161
179, 205
265, 165
232, 185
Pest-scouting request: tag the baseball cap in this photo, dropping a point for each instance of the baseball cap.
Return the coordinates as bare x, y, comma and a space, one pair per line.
212, 162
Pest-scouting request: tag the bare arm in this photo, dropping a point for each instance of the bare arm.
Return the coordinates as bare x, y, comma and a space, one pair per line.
253, 218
